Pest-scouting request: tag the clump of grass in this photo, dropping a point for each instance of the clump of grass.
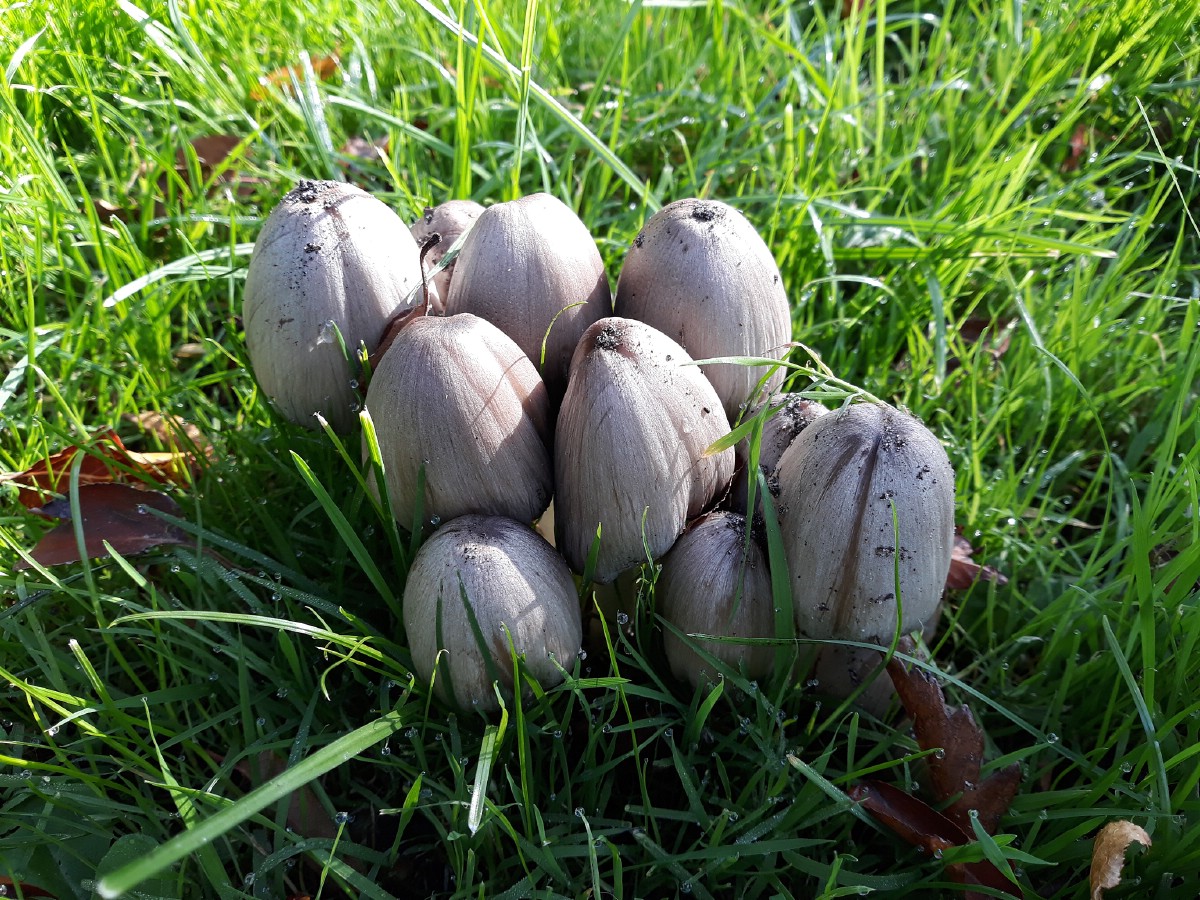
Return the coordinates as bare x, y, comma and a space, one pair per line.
914, 167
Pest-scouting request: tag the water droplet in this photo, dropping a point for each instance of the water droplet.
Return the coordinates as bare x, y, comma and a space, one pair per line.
327, 332
342, 818
260, 721
249, 879
1052, 738
622, 618
579, 812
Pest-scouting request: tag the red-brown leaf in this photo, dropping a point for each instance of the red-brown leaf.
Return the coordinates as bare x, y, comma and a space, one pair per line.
181, 436
106, 460
361, 148
52, 475
1079, 143
954, 773
928, 830
117, 513
305, 815
323, 67
964, 571
21, 888
914, 820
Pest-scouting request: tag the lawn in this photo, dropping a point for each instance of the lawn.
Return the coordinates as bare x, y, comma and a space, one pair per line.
986, 213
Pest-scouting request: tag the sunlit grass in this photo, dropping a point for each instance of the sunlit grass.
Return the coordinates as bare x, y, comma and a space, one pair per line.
913, 166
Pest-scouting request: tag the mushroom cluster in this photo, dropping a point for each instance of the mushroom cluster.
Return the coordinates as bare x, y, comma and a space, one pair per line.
519, 380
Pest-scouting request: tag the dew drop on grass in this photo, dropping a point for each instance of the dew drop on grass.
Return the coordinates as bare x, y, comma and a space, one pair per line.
249, 879
685, 887
260, 721
341, 818
579, 812
557, 734
606, 728
939, 753
410, 733
622, 618
1052, 738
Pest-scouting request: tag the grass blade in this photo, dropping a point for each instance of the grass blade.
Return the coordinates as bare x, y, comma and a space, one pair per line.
327, 758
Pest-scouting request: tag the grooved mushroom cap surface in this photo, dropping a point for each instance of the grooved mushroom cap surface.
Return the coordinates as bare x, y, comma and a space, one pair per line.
839, 483
529, 263
702, 275
457, 396
330, 259
629, 446
517, 587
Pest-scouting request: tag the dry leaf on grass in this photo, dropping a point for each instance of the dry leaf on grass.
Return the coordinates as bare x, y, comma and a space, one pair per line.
1108, 854
108, 460
181, 436
964, 571
954, 775
118, 514
305, 815
323, 67
955, 772
930, 831
10, 888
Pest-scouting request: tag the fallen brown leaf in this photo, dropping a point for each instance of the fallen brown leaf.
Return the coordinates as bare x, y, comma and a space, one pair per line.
361, 148
118, 514
106, 460
305, 815
994, 336
323, 67
106, 211
954, 772
964, 571
211, 152
21, 888
1079, 143
51, 475
932, 832
180, 435
190, 350
1108, 854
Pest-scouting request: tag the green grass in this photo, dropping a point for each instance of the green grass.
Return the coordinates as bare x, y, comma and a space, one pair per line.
911, 166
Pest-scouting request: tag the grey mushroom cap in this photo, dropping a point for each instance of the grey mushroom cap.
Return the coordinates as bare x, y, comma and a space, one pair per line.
793, 415
450, 221
715, 582
629, 449
456, 396
330, 259
527, 264
840, 482
518, 588
700, 273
